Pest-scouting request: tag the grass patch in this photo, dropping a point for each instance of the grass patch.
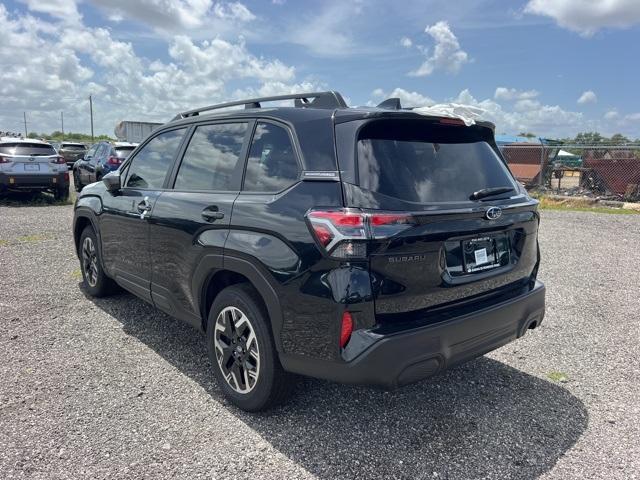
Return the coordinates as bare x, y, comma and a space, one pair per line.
4, 243
557, 377
34, 199
32, 238
77, 274
581, 205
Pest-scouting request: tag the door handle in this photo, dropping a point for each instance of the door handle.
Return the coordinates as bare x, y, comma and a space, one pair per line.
211, 214
143, 207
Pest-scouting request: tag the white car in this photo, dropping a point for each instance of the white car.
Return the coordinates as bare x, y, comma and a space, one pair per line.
32, 165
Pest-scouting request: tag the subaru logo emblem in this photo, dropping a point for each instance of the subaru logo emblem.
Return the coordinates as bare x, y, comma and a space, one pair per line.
493, 213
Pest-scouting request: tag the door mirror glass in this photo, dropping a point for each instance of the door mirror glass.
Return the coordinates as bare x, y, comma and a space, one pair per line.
112, 181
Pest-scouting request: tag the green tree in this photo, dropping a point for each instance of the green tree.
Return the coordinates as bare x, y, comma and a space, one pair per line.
527, 134
590, 138
619, 139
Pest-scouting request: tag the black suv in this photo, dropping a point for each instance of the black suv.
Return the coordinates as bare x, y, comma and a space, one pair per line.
361, 245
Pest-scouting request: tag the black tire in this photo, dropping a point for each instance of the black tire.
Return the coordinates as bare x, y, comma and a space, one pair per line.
76, 181
61, 194
96, 282
273, 385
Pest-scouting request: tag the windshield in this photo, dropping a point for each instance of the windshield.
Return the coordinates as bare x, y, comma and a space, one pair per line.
427, 164
30, 149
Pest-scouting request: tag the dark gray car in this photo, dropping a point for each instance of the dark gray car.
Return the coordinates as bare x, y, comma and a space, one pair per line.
71, 152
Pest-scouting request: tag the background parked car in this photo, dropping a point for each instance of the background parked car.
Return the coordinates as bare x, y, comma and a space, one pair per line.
32, 165
71, 151
102, 158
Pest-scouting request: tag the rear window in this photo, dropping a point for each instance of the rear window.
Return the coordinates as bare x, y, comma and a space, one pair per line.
124, 152
422, 162
30, 149
72, 146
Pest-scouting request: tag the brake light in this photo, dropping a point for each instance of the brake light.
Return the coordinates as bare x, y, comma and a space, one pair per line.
346, 329
4, 159
452, 121
114, 160
345, 233
59, 160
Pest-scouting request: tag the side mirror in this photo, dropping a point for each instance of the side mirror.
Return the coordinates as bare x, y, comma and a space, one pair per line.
112, 181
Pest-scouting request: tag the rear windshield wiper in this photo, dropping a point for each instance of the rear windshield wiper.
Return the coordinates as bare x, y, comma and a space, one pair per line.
489, 192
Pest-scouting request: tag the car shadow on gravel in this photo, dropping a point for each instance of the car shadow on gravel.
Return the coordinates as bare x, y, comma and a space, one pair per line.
480, 420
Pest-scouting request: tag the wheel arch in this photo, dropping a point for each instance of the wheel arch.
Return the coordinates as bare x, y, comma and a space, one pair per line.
234, 271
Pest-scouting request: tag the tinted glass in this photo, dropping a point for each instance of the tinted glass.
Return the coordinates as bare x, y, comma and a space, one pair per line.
211, 157
150, 165
31, 149
73, 146
426, 165
272, 165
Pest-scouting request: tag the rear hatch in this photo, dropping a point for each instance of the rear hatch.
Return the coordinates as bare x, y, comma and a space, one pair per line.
72, 151
449, 226
24, 158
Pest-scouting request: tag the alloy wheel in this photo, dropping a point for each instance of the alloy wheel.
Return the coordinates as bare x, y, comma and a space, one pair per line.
90, 261
237, 351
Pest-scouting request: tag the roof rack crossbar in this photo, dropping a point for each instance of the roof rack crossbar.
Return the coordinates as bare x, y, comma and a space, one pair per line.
329, 99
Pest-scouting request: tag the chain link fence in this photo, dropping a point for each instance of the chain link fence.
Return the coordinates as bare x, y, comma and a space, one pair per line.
604, 171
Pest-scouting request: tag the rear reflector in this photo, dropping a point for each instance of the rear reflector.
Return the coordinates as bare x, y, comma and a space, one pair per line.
345, 232
346, 330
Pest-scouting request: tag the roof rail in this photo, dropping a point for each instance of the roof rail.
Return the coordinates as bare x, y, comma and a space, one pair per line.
329, 99
390, 104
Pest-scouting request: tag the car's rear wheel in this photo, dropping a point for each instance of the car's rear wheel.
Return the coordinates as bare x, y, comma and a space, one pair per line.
97, 283
242, 351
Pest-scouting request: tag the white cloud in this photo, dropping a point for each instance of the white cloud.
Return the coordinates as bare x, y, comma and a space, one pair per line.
64, 10
178, 16
633, 117
327, 32
611, 115
587, 97
447, 54
588, 16
124, 85
407, 99
503, 93
406, 42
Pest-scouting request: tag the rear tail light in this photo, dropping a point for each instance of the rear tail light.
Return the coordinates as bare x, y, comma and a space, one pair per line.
345, 233
58, 159
4, 159
346, 330
114, 161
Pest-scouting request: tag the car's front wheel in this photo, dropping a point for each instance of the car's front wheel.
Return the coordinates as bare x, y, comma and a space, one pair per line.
97, 283
242, 351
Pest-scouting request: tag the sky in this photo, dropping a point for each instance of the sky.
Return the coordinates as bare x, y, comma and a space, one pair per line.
550, 67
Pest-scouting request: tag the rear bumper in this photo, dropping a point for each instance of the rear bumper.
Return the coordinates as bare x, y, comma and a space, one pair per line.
403, 358
33, 182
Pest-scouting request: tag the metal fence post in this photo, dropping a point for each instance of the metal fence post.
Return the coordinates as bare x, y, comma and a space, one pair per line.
541, 163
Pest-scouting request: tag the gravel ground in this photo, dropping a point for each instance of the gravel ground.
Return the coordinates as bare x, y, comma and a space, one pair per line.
113, 389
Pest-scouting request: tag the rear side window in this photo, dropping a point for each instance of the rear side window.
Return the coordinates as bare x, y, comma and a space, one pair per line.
272, 164
211, 158
150, 165
30, 149
424, 163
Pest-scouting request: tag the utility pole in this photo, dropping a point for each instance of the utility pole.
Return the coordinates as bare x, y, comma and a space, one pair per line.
62, 123
24, 115
91, 111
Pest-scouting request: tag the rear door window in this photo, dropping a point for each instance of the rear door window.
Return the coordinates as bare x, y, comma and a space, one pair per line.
149, 167
272, 164
424, 163
211, 158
